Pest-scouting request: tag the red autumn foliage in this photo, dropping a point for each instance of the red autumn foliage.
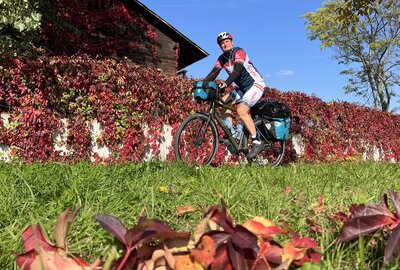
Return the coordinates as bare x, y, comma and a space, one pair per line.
40, 253
217, 243
94, 27
127, 99
367, 220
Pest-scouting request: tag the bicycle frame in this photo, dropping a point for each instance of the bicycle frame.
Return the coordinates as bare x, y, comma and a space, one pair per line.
213, 113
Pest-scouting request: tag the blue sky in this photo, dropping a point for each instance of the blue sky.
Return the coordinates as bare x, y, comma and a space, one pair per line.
272, 33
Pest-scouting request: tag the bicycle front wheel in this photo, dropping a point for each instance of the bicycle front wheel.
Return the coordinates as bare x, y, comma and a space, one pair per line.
196, 141
273, 152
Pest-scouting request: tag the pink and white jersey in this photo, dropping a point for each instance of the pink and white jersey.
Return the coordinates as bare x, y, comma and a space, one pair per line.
249, 74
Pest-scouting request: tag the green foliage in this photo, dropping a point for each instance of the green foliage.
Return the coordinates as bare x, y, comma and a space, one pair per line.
350, 10
369, 46
19, 22
38, 193
21, 15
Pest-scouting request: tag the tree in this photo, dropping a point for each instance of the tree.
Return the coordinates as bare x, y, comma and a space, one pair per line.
19, 22
369, 46
351, 10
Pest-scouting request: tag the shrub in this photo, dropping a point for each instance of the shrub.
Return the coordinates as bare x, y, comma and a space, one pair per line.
127, 99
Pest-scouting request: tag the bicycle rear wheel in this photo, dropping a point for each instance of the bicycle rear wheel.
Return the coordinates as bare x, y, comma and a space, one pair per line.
273, 152
196, 141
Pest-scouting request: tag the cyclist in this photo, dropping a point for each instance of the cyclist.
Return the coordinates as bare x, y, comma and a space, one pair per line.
249, 82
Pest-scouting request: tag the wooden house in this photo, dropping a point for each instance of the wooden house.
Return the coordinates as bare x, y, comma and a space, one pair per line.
117, 28
175, 51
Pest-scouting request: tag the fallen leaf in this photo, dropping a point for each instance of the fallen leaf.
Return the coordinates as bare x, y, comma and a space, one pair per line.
205, 255
287, 190
186, 209
186, 262
263, 227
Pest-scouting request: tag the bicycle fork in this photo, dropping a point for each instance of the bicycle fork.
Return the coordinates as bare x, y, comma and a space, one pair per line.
200, 134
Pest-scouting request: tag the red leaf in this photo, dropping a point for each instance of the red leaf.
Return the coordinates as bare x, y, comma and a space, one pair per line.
62, 227
321, 200
34, 236
41, 254
291, 253
364, 225
271, 252
316, 257
242, 248
151, 229
341, 217
114, 226
305, 242
236, 257
263, 227
371, 210
221, 260
25, 260
396, 201
287, 190
206, 254
393, 246
186, 263
221, 218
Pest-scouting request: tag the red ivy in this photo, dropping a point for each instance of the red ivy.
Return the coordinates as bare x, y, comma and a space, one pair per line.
94, 27
132, 104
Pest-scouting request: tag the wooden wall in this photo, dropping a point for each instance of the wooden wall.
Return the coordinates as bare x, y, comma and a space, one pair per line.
166, 54
164, 58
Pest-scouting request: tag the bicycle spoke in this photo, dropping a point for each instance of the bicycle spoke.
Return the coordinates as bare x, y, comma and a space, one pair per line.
196, 141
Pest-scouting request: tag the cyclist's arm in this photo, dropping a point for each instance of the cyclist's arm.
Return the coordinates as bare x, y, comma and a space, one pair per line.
237, 69
213, 74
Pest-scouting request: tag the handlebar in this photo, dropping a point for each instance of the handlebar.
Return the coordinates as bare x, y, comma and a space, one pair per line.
220, 92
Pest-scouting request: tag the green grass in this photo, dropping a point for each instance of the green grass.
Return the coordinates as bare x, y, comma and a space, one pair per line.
38, 193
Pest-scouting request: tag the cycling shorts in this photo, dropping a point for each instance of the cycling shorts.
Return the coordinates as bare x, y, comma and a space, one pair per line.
251, 97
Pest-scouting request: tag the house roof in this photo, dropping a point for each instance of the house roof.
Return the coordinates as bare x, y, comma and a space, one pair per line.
189, 52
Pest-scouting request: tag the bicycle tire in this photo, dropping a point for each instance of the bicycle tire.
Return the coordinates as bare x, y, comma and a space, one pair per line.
274, 151
190, 149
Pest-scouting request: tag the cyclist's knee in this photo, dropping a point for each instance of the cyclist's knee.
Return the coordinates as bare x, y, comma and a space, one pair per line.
242, 110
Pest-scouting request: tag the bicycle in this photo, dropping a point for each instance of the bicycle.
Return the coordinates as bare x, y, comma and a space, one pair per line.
197, 139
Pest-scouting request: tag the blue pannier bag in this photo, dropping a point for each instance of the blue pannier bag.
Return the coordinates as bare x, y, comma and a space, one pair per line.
277, 128
276, 118
204, 91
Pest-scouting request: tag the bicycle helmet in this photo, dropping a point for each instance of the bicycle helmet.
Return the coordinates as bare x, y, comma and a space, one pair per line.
222, 36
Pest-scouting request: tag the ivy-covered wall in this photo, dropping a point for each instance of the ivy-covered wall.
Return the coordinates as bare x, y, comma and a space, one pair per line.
132, 105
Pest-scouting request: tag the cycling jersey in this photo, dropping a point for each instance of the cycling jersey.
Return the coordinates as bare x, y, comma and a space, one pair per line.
247, 76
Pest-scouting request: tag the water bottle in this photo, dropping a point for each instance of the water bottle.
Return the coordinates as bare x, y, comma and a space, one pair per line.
229, 125
239, 131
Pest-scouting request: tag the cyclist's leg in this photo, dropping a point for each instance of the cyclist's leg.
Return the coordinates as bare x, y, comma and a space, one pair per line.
243, 112
225, 113
249, 99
